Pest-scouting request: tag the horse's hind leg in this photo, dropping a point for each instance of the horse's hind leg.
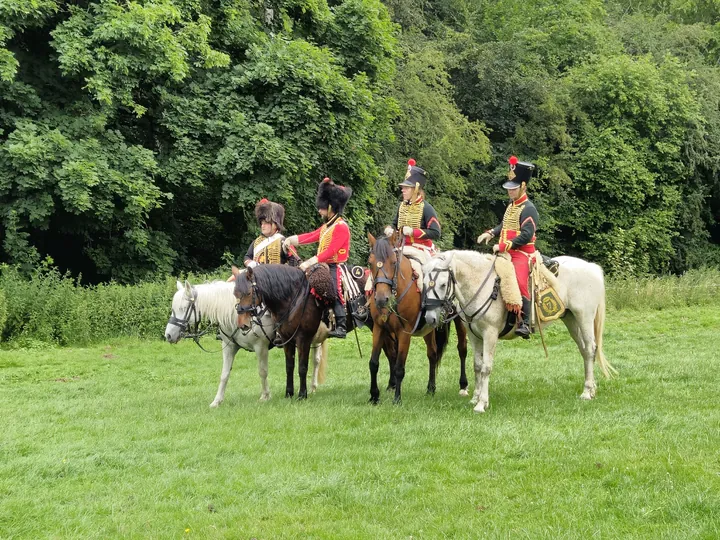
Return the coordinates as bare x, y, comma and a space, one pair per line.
261, 351
462, 352
229, 352
583, 333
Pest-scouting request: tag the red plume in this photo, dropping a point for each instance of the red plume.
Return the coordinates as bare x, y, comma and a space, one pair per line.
263, 201
326, 179
513, 160
411, 162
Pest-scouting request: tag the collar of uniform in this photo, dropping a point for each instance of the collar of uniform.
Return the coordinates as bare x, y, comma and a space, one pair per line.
333, 220
523, 198
416, 201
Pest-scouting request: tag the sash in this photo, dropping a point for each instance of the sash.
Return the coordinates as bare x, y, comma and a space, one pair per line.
265, 243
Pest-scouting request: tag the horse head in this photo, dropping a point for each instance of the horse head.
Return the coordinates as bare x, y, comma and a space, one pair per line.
383, 264
438, 286
247, 299
184, 313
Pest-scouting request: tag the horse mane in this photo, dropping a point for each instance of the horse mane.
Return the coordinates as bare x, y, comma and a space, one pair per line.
276, 283
383, 249
216, 303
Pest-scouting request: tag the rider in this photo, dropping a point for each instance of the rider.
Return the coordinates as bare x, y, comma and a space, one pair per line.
334, 242
416, 219
267, 248
517, 233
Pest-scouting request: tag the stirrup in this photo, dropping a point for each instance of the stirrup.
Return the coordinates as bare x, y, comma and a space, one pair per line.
523, 330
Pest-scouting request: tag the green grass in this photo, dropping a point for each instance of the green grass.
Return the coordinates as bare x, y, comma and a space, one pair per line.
117, 440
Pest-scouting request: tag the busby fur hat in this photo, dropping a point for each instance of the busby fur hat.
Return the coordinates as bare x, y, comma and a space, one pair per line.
269, 211
520, 171
415, 176
331, 195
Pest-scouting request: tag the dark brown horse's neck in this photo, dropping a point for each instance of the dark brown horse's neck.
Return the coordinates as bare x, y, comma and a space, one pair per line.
285, 309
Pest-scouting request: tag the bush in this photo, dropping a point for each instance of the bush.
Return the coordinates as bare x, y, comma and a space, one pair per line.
695, 287
3, 312
54, 308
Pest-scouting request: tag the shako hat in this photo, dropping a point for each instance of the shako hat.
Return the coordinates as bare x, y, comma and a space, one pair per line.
415, 176
520, 171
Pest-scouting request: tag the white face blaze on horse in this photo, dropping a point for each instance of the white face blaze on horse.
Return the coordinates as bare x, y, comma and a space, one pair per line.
467, 280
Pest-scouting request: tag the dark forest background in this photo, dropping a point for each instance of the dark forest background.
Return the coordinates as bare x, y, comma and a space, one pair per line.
136, 136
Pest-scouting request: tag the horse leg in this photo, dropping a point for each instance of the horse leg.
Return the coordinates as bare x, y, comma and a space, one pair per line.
462, 352
374, 364
303, 346
432, 354
261, 351
402, 352
391, 354
484, 358
584, 336
289, 369
229, 352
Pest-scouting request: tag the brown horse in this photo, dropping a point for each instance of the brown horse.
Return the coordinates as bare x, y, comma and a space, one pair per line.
285, 292
396, 309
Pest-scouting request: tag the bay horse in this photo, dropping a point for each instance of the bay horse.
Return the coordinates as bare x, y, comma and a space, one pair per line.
215, 303
296, 314
396, 308
466, 279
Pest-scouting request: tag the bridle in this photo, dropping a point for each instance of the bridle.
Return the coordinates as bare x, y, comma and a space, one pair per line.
257, 309
392, 282
447, 304
184, 323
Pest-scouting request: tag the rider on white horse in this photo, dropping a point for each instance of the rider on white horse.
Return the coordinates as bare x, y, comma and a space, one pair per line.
416, 219
267, 248
517, 233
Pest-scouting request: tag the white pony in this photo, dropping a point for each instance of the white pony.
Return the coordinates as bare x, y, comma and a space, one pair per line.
467, 279
215, 303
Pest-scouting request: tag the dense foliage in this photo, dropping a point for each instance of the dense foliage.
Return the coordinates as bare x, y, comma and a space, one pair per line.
136, 136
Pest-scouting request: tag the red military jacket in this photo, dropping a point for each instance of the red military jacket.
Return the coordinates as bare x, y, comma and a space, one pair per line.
333, 238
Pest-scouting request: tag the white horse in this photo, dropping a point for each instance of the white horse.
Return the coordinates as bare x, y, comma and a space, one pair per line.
215, 303
467, 279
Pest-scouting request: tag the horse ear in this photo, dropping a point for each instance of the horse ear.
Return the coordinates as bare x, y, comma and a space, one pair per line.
235, 270
179, 286
188, 289
371, 239
249, 273
450, 259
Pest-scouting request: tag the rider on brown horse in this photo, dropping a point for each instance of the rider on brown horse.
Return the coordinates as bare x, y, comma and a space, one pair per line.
334, 242
416, 219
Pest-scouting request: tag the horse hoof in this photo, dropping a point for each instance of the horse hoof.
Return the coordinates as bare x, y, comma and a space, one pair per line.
587, 395
473, 401
464, 392
390, 388
288, 394
430, 392
215, 404
374, 401
264, 398
302, 397
479, 408
397, 401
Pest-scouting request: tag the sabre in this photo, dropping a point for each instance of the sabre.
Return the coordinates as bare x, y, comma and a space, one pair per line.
357, 340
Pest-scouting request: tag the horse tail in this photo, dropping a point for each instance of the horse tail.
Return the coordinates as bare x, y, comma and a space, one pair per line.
599, 326
322, 371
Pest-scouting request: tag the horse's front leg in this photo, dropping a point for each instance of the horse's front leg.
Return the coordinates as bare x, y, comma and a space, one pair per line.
261, 351
229, 352
303, 346
483, 370
374, 364
432, 354
391, 354
402, 352
462, 352
289, 369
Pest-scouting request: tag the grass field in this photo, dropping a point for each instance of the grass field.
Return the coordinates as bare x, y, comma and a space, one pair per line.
117, 440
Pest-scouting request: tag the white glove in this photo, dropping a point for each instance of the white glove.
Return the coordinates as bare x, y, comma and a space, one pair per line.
307, 264
251, 264
290, 241
485, 237
407, 231
389, 230
496, 248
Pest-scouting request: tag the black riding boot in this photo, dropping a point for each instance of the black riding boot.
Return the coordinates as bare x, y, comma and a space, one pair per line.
523, 327
340, 329
551, 264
